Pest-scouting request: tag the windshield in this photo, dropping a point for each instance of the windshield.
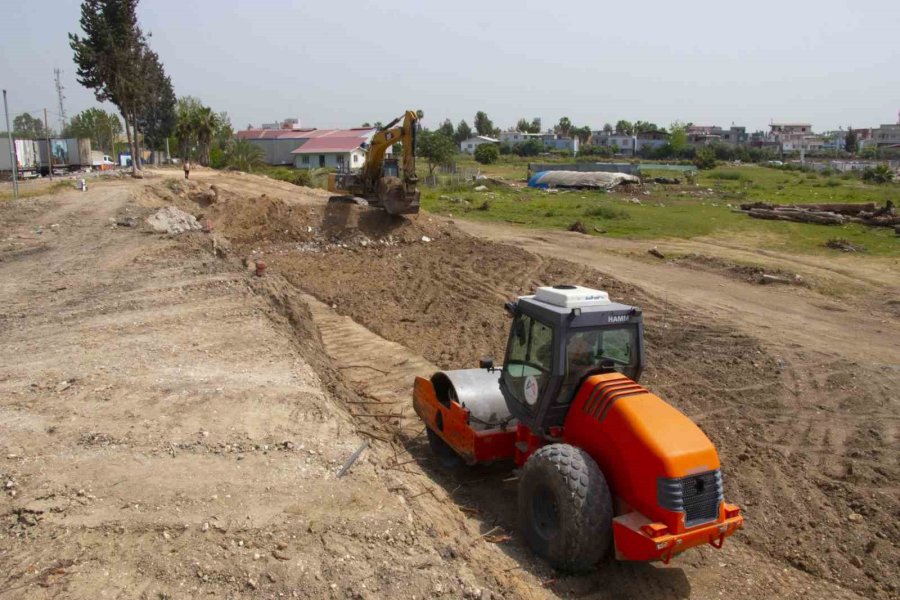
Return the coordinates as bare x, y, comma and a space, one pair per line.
529, 357
588, 349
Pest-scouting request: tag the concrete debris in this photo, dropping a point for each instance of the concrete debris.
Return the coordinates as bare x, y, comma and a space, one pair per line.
655, 252
481, 188
172, 221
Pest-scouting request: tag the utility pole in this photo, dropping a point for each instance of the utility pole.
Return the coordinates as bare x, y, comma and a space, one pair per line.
49, 149
12, 151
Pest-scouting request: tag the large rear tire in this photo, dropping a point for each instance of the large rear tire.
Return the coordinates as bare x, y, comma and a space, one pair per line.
565, 508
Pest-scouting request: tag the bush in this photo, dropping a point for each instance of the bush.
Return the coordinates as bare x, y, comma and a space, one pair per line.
705, 158
878, 174
487, 154
217, 158
529, 148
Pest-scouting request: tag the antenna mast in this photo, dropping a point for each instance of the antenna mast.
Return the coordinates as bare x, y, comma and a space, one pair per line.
60, 97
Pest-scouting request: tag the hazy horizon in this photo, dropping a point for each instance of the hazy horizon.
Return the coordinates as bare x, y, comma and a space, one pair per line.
333, 66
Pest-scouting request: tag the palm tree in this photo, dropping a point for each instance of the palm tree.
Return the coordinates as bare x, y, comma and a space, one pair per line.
205, 123
244, 155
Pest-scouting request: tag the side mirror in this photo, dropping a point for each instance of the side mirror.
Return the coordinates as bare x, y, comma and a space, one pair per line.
510, 308
486, 362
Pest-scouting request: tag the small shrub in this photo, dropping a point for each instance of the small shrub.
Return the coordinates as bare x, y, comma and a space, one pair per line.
487, 154
485, 206
550, 213
878, 175
705, 159
302, 177
832, 183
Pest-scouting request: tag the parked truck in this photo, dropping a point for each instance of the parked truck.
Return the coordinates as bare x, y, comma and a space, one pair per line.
100, 161
27, 158
65, 154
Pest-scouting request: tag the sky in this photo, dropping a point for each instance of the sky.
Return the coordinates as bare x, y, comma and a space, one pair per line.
338, 64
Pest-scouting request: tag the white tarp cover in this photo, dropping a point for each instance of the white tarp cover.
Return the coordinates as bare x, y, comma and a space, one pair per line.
579, 179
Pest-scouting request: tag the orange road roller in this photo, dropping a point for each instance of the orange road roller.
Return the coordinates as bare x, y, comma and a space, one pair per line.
603, 463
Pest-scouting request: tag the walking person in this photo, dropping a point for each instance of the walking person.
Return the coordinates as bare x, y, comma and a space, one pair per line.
187, 169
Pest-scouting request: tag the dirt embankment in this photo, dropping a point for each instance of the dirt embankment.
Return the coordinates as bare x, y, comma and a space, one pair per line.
808, 440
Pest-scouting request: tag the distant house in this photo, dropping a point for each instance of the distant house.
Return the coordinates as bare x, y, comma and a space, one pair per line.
627, 145
886, 135
793, 136
337, 152
549, 139
278, 145
468, 146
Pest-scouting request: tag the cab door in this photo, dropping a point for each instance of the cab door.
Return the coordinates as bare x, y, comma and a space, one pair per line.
528, 366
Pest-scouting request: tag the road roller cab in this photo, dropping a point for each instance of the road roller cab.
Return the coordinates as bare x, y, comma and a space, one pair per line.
602, 460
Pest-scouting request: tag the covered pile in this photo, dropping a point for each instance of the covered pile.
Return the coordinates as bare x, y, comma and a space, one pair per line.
578, 179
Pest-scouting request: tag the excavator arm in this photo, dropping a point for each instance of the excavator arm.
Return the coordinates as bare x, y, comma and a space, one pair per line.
386, 137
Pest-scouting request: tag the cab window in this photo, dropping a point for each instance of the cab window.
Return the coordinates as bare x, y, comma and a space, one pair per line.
529, 359
589, 349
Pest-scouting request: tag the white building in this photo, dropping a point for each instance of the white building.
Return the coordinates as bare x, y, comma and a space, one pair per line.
279, 145
468, 146
341, 153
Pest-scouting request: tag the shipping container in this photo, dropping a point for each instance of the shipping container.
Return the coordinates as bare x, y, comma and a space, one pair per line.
67, 154
27, 156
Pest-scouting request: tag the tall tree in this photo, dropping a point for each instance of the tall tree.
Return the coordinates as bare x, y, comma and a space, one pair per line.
526, 126
677, 137
624, 127
447, 128
101, 127
108, 58
583, 134
28, 127
206, 122
436, 148
564, 127
463, 132
483, 125
607, 128
851, 141
644, 127
156, 116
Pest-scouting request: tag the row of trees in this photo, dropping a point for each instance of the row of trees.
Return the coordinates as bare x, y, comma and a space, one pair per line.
114, 59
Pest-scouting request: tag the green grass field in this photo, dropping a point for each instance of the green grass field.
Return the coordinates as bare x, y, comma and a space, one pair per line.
680, 211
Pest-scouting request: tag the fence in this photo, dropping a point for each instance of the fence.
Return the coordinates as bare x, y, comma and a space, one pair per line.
449, 176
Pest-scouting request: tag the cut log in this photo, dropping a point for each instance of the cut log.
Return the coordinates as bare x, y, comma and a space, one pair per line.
843, 209
798, 216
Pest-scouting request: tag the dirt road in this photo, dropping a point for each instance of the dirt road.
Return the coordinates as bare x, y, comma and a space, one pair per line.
171, 425
784, 316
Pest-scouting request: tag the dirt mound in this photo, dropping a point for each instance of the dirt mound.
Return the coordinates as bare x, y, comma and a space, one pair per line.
307, 219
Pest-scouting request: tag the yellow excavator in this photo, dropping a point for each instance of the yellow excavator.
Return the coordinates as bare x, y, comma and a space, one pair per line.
385, 182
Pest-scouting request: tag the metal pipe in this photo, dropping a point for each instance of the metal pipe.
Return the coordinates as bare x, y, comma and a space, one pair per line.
12, 151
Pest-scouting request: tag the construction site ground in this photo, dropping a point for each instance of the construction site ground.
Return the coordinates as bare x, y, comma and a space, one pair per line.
172, 425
